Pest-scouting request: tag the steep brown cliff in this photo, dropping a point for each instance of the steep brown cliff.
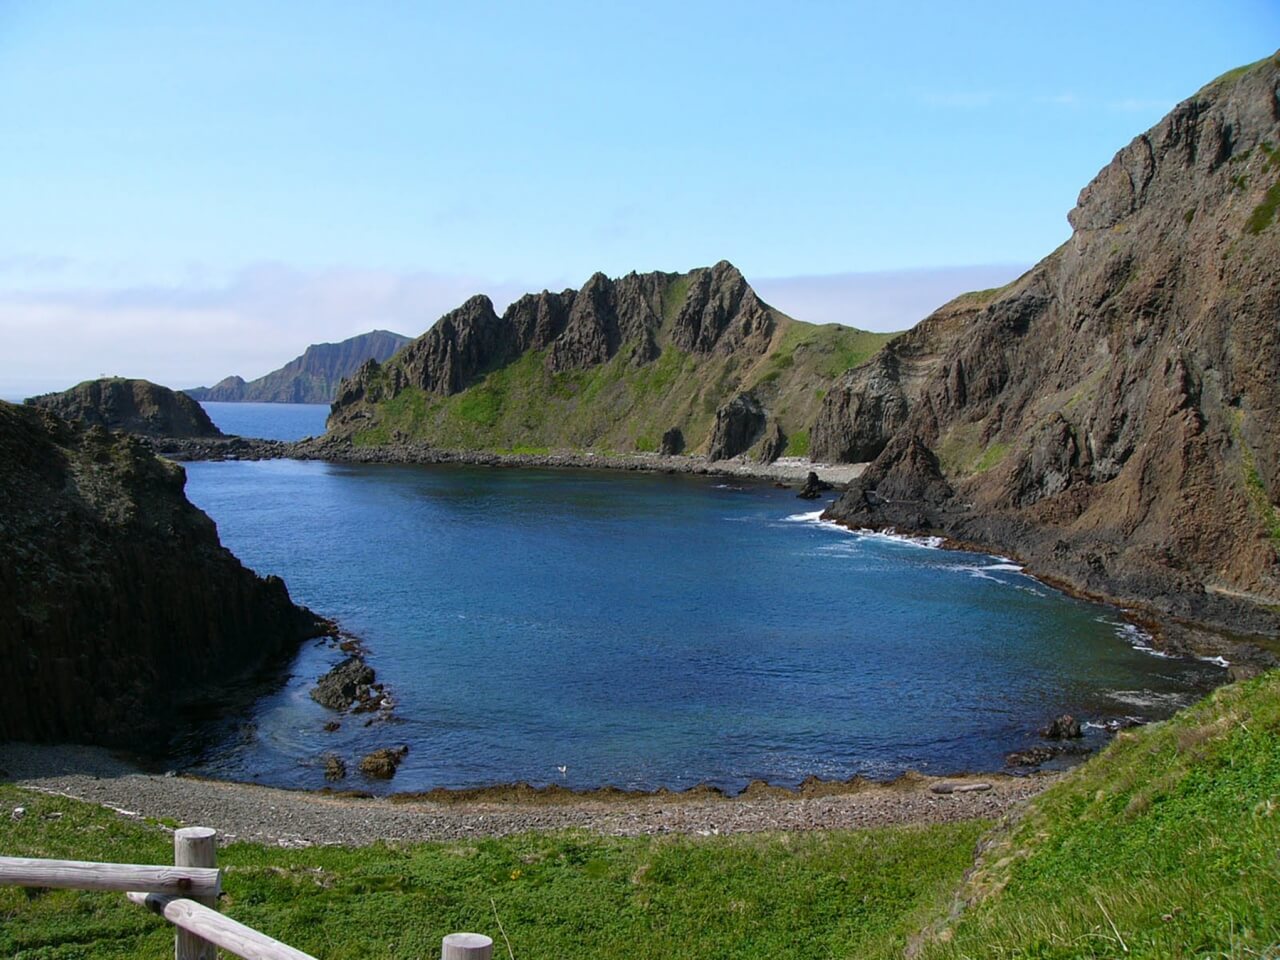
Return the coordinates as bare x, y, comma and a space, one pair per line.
1111, 417
117, 603
130, 406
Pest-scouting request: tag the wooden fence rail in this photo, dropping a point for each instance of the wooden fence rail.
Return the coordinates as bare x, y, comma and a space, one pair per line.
186, 894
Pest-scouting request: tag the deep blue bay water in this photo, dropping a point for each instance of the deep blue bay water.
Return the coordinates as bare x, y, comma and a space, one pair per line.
652, 630
269, 421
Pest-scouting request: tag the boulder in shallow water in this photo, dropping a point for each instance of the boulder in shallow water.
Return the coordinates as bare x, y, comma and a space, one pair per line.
813, 487
382, 764
1065, 727
335, 768
342, 686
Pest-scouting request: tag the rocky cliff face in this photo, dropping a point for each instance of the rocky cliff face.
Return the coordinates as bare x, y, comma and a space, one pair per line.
618, 365
117, 603
1111, 416
130, 406
310, 378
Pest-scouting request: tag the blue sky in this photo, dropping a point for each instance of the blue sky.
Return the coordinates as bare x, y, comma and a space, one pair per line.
190, 190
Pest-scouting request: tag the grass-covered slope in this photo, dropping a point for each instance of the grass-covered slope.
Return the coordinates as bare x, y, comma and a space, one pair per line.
1166, 845
623, 405
558, 896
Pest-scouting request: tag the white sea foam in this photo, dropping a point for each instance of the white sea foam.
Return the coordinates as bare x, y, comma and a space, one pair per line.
1149, 698
813, 517
1136, 637
1220, 661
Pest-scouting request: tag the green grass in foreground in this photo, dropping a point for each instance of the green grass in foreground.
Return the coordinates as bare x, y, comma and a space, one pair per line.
565, 895
1166, 845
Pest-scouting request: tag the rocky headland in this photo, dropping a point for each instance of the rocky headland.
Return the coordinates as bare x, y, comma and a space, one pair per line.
312, 377
1110, 417
679, 363
119, 608
138, 407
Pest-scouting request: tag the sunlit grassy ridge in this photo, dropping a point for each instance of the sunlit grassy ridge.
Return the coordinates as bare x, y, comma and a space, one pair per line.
625, 406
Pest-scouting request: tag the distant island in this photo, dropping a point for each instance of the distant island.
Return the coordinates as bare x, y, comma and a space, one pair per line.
312, 377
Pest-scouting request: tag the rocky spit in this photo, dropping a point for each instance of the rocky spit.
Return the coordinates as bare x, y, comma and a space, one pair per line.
336, 450
298, 818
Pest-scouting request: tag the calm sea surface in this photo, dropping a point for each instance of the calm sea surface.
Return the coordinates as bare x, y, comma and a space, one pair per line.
269, 421
649, 631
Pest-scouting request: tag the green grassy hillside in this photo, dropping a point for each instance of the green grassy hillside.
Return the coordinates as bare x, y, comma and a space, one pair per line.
625, 406
1166, 845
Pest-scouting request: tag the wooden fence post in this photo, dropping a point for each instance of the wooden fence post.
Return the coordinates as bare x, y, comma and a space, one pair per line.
195, 847
466, 946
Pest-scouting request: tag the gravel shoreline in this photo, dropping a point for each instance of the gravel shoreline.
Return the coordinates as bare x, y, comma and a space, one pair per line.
299, 818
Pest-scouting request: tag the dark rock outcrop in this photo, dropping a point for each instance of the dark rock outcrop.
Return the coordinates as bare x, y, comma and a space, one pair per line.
1065, 727
130, 406
347, 684
672, 443
118, 605
813, 487
1110, 417
335, 768
310, 378
383, 764
738, 426
870, 403
774, 445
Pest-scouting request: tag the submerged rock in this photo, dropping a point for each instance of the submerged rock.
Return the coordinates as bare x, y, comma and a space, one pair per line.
335, 768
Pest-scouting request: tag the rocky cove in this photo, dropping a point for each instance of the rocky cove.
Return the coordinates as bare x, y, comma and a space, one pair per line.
504, 674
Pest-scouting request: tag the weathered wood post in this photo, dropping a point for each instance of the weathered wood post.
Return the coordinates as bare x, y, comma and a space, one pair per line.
195, 847
466, 946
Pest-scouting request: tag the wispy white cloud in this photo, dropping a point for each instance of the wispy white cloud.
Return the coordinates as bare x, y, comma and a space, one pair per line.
196, 332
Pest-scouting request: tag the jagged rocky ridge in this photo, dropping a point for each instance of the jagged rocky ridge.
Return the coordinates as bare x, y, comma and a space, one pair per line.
118, 605
130, 406
618, 365
1110, 417
312, 377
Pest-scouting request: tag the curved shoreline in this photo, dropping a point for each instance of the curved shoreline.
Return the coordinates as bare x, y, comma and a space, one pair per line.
304, 818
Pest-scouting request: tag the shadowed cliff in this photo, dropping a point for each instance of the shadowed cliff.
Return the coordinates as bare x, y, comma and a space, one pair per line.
118, 605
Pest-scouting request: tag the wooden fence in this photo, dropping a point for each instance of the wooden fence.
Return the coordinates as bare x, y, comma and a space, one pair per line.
186, 894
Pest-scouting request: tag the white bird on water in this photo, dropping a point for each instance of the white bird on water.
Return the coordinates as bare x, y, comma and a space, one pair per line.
563, 770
